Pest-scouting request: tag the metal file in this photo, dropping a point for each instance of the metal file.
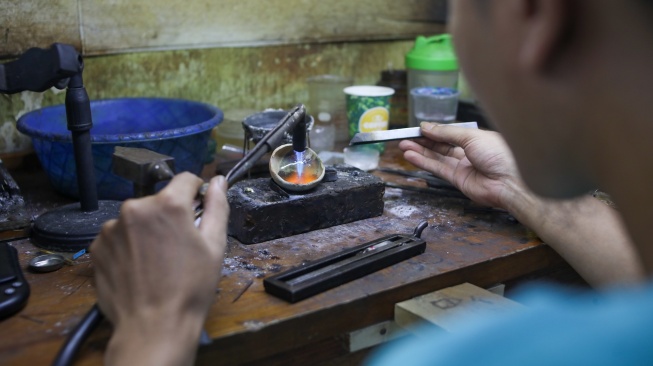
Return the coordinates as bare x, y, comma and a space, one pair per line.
397, 134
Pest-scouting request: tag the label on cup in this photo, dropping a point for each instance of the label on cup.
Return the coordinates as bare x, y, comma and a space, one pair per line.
375, 119
368, 109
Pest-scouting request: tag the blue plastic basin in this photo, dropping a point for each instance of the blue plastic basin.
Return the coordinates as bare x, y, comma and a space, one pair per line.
173, 127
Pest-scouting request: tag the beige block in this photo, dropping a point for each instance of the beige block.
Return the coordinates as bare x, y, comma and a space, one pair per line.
445, 308
373, 335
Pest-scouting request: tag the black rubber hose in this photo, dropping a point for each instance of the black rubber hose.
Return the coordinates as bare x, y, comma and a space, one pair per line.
77, 337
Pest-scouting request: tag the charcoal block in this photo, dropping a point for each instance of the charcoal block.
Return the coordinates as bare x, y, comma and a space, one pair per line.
260, 213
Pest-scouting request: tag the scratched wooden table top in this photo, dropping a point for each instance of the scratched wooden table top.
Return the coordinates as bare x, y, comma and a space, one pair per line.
245, 323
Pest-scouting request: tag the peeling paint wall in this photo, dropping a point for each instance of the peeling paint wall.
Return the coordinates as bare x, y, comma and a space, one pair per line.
12, 108
117, 26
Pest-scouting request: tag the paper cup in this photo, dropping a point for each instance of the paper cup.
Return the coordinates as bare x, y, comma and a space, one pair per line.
368, 109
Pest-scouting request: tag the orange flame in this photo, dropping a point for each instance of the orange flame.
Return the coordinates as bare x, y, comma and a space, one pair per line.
294, 178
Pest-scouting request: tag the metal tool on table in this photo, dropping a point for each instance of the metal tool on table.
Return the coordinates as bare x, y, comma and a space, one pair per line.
431, 180
143, 167
146, 168
398, 134
46, 263
302, 282
435, 185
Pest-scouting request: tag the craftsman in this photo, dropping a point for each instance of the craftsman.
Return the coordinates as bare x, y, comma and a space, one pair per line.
568, 82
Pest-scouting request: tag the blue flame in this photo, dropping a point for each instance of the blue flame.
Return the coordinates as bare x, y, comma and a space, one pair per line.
299, 158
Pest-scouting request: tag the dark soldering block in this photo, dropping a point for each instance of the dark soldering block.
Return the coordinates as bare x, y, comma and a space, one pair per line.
260, 213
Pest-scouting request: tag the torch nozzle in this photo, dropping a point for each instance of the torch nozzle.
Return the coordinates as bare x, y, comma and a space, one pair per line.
299, 135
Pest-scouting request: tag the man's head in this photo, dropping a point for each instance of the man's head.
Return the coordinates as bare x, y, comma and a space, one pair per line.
556, 76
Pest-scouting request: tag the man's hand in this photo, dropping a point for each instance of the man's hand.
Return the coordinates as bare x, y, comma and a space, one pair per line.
479, 163
156, 273
587, 233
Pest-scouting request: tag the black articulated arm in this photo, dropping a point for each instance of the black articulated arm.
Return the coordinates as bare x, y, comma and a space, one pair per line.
40, 69
60, 66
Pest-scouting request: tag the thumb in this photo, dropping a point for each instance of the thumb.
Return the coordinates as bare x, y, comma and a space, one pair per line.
216, 212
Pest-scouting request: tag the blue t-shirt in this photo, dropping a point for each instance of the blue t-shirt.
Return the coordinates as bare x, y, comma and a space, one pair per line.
555, 328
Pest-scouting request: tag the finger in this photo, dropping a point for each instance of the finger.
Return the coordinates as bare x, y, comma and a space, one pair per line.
102, 289
416, 143
443, 167
433, 149
101, 281
216, 212
454, 135
184, 185
428, 160
449, 150
98, 246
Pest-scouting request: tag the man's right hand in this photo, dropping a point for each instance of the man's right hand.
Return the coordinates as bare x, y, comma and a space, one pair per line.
477, 162
480, 164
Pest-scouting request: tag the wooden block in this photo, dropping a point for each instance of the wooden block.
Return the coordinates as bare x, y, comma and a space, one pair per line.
373, 335
445, 308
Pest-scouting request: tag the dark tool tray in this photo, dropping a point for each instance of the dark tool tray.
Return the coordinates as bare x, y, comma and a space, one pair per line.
310, 279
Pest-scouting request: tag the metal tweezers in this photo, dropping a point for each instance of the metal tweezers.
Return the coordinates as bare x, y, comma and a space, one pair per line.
435, 185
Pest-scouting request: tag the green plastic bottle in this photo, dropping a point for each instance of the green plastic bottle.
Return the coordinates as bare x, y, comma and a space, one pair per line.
431, 62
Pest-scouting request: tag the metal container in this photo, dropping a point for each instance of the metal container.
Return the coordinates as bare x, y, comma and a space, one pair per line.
257, 125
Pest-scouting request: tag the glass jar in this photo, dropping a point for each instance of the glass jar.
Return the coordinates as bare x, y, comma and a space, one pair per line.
326, 103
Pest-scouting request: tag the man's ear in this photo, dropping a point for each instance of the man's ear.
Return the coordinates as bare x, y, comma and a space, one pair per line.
548, 27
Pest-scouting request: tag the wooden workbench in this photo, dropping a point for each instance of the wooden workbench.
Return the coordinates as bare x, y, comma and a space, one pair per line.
248, 325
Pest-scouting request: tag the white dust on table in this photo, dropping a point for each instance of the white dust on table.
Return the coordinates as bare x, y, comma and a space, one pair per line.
253, 325
402, 211
229, 265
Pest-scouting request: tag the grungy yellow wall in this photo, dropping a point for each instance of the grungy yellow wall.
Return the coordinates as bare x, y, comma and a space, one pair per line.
235, 54
117, 26
252, 78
